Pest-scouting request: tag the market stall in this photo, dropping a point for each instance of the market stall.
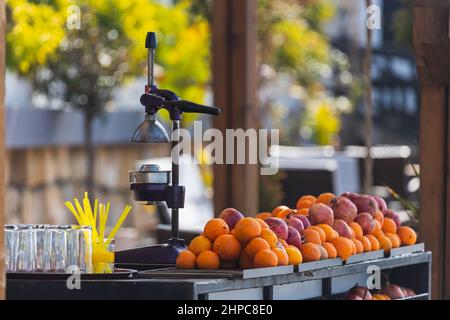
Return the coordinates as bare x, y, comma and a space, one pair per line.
328, 246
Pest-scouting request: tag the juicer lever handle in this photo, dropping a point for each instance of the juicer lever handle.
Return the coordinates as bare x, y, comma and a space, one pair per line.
188, 106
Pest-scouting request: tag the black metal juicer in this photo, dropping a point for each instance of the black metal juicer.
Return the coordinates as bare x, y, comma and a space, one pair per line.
149, 184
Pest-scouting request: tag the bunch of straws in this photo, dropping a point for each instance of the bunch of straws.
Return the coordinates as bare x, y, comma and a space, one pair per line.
88, 217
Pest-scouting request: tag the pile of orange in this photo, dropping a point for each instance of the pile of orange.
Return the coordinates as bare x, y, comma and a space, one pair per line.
390, 236
250, 244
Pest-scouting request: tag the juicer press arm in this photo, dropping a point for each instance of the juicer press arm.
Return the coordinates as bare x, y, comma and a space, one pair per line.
154, 102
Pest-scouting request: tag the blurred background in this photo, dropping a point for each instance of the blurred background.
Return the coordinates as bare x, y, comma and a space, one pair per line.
76, 70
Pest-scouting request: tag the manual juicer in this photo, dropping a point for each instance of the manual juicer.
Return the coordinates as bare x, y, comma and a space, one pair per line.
149, 184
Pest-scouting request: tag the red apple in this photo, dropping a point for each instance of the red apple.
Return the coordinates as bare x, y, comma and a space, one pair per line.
382, 206
366, 221
231, 217
278, 226
296, 223
344, 209
294, 237
366, 204
342, 228
320, 213
303, 219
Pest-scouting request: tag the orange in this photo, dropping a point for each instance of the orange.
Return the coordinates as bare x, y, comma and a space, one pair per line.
270, 237
310, 252
353, 247
185, 260
344, 247
283, 243
199, 244
322, 234
255, 245
359, 246
357, 229
375, 244
265, 258
389, 226
262, 223
311, 235
278, 209
377, 231
245, 262
304, 204
367, 245
379, 216
378, 296
208, 260
407, 236
303, 212
331, 250
227, 247
307, 197
214, 228
330, 233
246, 229
283, 258
395, 239
263, 215
325, 198
323, 252
385, 243
284, 213
295, 256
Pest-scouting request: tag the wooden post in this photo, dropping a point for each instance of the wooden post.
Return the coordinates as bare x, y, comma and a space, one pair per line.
2, 146
432, 47
235, 86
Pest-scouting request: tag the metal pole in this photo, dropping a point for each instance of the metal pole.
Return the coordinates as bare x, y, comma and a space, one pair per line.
175, 176
368, 161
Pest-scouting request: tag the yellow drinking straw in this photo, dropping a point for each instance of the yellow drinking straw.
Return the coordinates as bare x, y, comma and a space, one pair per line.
124, 214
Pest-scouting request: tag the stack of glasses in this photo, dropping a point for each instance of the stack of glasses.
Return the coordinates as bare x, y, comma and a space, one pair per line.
48, 248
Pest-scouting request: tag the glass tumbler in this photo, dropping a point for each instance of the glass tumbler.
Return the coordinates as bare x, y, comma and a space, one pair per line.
40, 231
10, 247
25, 251
79, 248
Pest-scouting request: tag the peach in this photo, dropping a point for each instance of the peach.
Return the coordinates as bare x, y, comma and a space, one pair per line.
231, 217
294, 238
296, 223
366, 221
344, 209
366, 204
342, 228
321, 213
278, 226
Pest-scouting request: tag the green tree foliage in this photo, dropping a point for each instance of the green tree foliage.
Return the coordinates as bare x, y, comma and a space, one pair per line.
85, 65
79, 65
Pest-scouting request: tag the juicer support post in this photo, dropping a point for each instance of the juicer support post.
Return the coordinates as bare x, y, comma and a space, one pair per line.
175, 176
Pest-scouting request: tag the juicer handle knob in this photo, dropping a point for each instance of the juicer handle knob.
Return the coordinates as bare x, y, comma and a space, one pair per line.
150, 40
188, 106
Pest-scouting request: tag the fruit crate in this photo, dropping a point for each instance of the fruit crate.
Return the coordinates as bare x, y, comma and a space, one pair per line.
411, 270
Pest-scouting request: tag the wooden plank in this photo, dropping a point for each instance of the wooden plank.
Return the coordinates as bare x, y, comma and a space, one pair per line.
432, 41
432, 181
221, 61
447, 219
235, 83
2, 146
